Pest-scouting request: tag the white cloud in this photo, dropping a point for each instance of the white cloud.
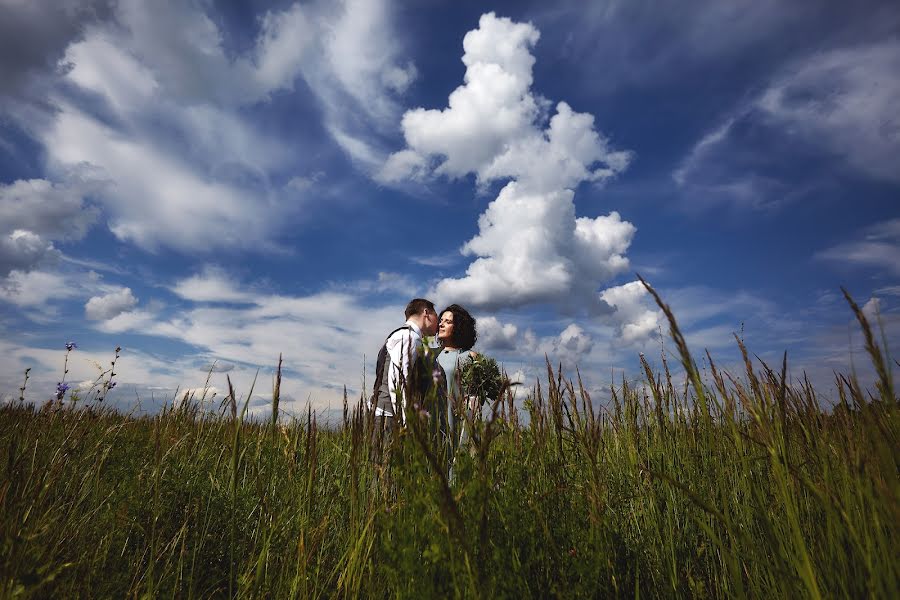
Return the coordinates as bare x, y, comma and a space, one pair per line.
362, 51
168, 128
385, 282
129, 320
648, 45
213, 284
493, 107
325, 342
53, 210
872, 310
184, 49
573, 345
22, 250
530, 246
157, 199
111, 305
841, 104
355, 68
35, 212
494, 335
890, 290
847, 100
636, 319
34, 289
43, 294
877, 247
876, 255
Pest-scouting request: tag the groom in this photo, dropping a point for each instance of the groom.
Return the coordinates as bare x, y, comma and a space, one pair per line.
402, 348
405, 367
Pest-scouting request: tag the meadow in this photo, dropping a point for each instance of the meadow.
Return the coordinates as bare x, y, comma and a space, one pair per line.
731, 485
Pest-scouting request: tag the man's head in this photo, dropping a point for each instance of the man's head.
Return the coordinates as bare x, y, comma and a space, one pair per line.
421, 312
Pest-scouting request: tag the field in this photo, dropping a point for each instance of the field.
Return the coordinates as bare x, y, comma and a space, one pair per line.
729, 486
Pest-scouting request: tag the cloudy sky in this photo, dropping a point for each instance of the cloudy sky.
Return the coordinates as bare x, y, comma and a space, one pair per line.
210, 184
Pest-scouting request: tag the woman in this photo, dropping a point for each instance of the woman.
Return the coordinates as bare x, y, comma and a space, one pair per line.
456, 335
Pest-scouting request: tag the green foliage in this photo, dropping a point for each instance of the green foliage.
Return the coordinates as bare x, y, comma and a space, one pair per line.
756, 492
481, 378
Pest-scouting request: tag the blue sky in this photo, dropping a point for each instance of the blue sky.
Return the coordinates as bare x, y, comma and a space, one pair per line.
214, 183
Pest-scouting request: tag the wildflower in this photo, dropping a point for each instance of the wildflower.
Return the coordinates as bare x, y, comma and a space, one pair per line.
71, 346
61, 389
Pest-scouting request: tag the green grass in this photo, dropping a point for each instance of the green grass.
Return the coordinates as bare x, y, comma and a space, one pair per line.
737, 485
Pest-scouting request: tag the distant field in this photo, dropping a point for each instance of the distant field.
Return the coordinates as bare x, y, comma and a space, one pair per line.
740, 485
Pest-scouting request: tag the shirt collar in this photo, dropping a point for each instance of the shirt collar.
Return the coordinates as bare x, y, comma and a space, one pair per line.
415, 328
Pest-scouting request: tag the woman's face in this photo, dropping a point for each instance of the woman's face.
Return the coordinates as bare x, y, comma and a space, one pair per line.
445, 327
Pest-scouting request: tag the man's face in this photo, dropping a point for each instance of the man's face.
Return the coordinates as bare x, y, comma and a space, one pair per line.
429, 322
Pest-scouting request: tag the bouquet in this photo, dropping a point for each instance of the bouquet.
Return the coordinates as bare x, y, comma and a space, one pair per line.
481, 378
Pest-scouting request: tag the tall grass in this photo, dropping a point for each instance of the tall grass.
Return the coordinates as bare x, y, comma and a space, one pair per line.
733, 485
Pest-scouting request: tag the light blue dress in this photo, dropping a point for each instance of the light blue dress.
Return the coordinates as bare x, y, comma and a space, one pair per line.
452, 361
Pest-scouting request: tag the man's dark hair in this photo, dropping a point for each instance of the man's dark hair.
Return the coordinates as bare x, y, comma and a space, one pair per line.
464, 333
417, 306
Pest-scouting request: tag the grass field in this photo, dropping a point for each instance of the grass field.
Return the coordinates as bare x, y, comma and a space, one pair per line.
733, 485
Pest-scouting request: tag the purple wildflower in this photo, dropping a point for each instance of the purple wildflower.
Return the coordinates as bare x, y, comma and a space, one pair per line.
71, 346
61, 389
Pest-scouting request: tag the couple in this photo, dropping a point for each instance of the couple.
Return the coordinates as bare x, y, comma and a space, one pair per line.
408, 364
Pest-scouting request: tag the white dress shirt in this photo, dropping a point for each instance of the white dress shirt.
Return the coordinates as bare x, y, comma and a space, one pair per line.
400, 348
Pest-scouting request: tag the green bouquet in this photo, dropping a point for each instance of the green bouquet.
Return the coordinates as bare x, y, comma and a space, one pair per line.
481, 378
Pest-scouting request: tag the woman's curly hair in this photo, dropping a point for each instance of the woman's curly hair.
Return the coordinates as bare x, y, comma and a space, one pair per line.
464, 333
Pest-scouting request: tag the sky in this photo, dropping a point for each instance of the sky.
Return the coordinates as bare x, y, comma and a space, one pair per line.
209, 185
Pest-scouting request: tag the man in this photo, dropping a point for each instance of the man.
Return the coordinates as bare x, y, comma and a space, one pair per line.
407, 371
403, 346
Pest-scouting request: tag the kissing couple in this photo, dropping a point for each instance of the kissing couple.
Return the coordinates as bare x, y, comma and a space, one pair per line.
419, 368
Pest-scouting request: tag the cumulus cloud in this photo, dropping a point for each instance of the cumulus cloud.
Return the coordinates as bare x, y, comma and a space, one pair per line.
636, 320
34, 213
530, 246
23, 250
108, 306
573, 345
34, 290
494, 335
840, 104
493, 107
